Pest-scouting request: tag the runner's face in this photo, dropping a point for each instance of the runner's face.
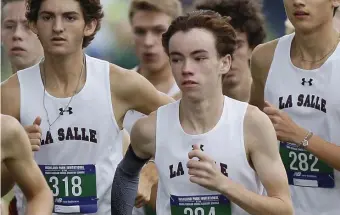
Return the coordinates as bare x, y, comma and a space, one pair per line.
148, 27
61, 26
305, 15
195, 63
21, 45
240, 64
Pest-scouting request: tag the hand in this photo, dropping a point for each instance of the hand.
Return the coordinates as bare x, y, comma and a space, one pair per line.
34, 133
204, 171
144, 190
286, 129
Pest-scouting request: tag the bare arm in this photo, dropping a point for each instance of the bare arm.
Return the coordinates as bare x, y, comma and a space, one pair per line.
136, 92
10, 97
125, 182
262, 144
10, 105
24, 170
260, 64
323, 150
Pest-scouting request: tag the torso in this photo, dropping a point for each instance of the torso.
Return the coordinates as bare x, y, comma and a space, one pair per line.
224, 143
310, 98
83, 147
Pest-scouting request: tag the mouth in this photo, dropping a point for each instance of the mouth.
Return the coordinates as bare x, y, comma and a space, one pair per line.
17, 49
300, 14
189, 83
149, 56
58, 39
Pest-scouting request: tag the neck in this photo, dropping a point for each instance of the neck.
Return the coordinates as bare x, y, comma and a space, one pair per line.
162, 79
63, 72
16, 68
241, 91
199, 117
311, 47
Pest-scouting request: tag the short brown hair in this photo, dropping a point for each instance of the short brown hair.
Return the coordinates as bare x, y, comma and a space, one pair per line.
92, 10
172, 8
4, 2
246, 16
219, 26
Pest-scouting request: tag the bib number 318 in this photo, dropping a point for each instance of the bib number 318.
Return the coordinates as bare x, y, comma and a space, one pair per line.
72, 184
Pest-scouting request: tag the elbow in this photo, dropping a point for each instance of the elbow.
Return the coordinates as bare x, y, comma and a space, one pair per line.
287, 208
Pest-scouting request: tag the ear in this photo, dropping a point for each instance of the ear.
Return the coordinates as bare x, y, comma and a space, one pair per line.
33, 27
225, 64
90, 27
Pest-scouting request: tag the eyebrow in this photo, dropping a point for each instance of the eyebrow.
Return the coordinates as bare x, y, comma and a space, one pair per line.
64, 13
199, 51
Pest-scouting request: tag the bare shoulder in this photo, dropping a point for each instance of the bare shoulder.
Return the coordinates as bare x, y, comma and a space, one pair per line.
263, 54
10, 132
261, 61
143, 136
9, 126
145, 128
124, 81
258, 129
10, 97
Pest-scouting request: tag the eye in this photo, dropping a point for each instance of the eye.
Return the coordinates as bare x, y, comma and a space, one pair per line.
200, 58
71, 18
46, 17
174, 60
9, 26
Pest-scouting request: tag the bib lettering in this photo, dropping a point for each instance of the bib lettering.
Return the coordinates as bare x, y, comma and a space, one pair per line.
200, 205
73, 187
304, 169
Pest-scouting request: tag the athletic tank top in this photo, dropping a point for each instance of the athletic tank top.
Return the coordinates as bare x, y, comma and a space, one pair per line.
224, 143
80, 153
311, 99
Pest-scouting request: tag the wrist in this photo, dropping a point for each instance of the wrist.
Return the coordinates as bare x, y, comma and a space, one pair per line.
224, 185
299, 136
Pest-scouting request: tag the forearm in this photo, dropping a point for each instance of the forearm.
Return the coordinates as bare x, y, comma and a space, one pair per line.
325, 151
125, 184
253, 203
150, 173
40, 204
7, 182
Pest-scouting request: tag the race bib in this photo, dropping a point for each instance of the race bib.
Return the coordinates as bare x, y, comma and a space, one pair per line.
200, 205
304, 169
73, 186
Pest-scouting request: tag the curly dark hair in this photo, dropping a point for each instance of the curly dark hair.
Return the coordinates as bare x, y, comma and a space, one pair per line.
92, 10
246, 16
219, 26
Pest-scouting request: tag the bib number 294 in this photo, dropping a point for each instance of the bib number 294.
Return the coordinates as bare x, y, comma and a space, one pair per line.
69, 185
198, 211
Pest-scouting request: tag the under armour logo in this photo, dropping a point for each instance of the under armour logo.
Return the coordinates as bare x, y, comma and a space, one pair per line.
201, 147
309, 82
69, 110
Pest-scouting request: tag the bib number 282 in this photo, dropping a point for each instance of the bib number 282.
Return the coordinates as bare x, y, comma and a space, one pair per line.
303, 162
69, 184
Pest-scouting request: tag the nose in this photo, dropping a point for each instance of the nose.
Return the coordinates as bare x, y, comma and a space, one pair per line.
298, 3
149, 39
187, 68
18, 33
58, 25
